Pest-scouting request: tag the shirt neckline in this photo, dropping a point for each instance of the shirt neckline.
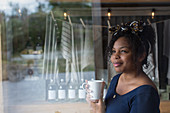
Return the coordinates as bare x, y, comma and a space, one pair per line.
145, 85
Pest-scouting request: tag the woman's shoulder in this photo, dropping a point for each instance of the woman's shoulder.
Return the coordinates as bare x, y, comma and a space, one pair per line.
144, 86
148, 82
146, 99
146, 89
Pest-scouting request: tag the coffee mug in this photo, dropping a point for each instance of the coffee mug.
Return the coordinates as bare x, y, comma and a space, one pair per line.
95, 87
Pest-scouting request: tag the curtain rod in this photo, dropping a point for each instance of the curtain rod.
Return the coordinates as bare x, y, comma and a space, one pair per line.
54, 19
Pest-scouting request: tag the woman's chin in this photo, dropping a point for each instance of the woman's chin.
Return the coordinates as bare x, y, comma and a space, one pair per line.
118, 71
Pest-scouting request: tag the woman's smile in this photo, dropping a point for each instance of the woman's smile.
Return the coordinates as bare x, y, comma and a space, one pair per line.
117, 64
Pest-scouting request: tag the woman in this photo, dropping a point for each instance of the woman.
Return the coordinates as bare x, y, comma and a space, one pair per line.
131, 91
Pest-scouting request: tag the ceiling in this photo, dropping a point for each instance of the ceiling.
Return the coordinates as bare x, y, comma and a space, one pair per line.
119, 7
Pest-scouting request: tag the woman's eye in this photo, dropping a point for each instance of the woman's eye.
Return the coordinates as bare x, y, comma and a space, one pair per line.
123, 51
113, 51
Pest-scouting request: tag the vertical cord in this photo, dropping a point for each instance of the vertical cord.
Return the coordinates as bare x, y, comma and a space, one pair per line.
52, 52
1, 88
48, 51
45, 45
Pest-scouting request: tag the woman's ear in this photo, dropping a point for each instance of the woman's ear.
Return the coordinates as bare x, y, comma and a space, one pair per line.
142, 57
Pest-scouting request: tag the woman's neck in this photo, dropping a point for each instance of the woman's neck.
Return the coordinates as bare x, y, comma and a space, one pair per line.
128, 76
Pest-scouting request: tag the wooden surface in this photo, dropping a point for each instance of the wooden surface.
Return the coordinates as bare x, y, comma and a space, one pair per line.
49, 108
165, 106
65, 108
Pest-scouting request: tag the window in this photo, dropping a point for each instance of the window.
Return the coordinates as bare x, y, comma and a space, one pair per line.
49, 48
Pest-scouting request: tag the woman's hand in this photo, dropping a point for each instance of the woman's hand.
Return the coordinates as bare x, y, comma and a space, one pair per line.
97, 106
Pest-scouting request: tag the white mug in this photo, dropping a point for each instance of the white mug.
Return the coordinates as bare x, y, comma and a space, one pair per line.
95, 87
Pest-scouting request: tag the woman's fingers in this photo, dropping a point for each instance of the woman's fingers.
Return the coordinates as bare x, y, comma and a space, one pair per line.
88, 97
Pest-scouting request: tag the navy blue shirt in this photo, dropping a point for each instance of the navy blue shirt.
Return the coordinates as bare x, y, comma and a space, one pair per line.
143, 99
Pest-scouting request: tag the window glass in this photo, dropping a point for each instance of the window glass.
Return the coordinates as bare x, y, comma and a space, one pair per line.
49, 48
47, 53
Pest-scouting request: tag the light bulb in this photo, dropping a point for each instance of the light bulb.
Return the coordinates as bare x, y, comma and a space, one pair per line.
65, 15
109, 13
153, 13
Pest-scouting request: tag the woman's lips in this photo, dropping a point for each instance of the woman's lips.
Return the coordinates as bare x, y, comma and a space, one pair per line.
117, 64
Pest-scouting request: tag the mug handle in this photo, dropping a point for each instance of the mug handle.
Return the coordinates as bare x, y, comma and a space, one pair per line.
83, 85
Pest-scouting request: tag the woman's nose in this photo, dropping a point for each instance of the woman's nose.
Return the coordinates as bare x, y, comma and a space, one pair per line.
116, 55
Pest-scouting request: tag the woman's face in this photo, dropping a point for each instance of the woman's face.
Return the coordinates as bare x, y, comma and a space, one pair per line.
122, 56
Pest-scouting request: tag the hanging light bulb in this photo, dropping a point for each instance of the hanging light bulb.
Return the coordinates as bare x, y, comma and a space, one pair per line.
153, 13
65, 14
109, 13
19, 11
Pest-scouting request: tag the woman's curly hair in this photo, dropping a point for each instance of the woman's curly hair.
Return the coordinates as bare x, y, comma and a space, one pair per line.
141, 38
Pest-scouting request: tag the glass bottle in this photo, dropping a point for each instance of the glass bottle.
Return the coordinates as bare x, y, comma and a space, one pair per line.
62, 91
52, 91
92, 79
81, 92
72, 91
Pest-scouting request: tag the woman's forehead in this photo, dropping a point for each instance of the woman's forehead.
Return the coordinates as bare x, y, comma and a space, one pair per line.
122, 42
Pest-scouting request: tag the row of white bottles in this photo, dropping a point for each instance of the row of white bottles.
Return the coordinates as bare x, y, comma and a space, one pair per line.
66, 93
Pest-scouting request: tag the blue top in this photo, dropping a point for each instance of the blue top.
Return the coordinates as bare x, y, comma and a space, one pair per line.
143, 99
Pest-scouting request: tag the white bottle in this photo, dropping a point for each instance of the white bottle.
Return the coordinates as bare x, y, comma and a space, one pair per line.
72, 91
62, 91
81, 92
92, 79
52, 92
